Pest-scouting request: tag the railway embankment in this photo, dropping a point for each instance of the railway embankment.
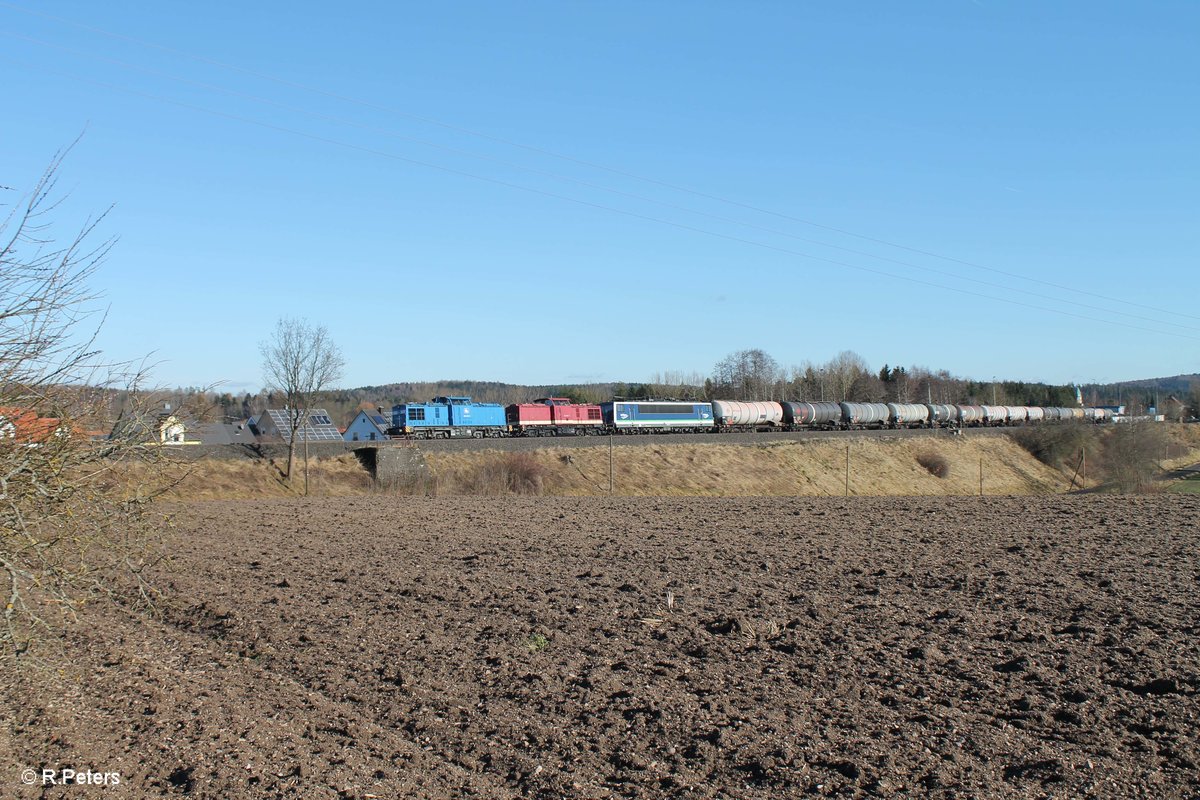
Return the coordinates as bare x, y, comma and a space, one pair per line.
854, 465
876, 464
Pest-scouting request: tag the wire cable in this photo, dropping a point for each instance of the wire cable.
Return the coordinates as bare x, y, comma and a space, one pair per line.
579, 182
594, 165
578, 201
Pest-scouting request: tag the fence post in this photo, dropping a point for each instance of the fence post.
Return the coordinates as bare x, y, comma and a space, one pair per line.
981, 477
610, 462
847, 470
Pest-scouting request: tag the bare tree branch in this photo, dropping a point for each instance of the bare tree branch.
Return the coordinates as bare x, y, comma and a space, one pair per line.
70, 527
300, 361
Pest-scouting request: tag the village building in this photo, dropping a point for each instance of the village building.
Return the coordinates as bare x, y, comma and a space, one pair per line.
277, 423
367, 426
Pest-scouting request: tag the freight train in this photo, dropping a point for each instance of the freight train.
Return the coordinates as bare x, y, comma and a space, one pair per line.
454, 417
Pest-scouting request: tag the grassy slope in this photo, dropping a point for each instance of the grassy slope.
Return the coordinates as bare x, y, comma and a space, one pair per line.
771, 468
877, 467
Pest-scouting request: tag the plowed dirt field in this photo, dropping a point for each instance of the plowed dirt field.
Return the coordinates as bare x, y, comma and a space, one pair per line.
585, 648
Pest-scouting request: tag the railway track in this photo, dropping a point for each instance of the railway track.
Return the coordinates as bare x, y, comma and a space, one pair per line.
518, 444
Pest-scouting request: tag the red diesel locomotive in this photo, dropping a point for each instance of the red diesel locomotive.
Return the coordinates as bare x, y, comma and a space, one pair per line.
554, 416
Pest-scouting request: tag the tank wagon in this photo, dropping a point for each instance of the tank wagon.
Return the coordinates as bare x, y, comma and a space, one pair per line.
658, 416
864, 415
941, 415
735, 415
969, 416
554, 416
448, 417
907, 415
824, 415
1017, 415
995, 415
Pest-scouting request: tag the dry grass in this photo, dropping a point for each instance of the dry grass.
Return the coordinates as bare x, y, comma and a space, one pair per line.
783, 468
213, 478
1126, 456
1183, 448
885, 467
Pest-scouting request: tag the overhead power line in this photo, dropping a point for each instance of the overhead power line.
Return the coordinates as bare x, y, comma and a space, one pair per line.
617, 171
577, 181
578, 201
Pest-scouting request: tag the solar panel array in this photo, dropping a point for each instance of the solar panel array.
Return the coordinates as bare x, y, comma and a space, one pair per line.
319, 427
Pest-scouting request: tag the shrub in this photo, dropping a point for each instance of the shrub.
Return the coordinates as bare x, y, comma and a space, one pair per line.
507, 473
1058, 446
1131, 453
935, 463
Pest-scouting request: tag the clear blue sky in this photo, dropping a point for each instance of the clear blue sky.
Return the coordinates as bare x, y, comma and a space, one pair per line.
546, 192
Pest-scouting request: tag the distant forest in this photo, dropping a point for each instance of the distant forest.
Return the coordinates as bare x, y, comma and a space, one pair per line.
744, 375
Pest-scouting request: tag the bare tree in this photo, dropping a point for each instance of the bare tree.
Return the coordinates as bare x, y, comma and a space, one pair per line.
848, 375
1131, 454
805, 381
747, 375
300, 361
72, 523
677, 384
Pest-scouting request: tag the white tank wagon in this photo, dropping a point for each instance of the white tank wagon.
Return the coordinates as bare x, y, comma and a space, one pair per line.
864, 415
1017, 415
1035, 413
970, 415
737, 414
907, 415
823, 414
995, 415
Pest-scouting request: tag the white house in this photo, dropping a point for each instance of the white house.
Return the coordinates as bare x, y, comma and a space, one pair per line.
170, 429
368, 426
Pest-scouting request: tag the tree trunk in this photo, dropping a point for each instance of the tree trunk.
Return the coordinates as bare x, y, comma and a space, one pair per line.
291, 456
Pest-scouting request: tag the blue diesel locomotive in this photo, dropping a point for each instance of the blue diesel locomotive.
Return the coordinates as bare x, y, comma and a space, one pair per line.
446, 417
